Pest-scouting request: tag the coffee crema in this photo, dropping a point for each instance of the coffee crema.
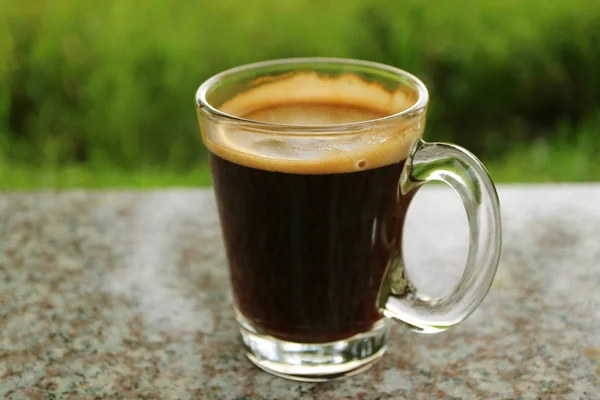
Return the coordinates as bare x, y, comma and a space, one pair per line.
310, 100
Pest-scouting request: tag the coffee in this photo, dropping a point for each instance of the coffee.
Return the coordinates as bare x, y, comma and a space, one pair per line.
310, 225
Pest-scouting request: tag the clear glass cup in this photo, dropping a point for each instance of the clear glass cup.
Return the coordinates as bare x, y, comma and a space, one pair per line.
312, 214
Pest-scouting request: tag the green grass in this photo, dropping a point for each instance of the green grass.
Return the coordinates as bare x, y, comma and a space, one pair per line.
568, 154
20, 177
543, 163
102, 91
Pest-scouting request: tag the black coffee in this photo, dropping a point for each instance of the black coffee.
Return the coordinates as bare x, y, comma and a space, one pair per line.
307, 252
308, 246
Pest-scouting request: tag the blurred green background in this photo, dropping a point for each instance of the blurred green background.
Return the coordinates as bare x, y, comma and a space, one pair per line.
100, 93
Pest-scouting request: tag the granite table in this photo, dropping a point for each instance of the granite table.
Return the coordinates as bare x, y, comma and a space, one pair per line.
125, 295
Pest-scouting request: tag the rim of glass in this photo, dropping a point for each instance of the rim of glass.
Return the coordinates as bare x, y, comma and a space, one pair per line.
203, 103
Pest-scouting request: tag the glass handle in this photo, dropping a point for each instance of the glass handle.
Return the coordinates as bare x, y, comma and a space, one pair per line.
460, 169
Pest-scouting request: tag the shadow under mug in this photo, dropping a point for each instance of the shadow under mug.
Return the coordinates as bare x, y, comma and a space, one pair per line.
314, 246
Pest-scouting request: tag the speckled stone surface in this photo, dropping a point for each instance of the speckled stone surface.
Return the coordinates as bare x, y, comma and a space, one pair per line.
126, 295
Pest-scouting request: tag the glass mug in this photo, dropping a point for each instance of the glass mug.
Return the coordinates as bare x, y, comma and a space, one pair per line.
314, 163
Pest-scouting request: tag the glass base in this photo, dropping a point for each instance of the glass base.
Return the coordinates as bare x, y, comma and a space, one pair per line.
315, 362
